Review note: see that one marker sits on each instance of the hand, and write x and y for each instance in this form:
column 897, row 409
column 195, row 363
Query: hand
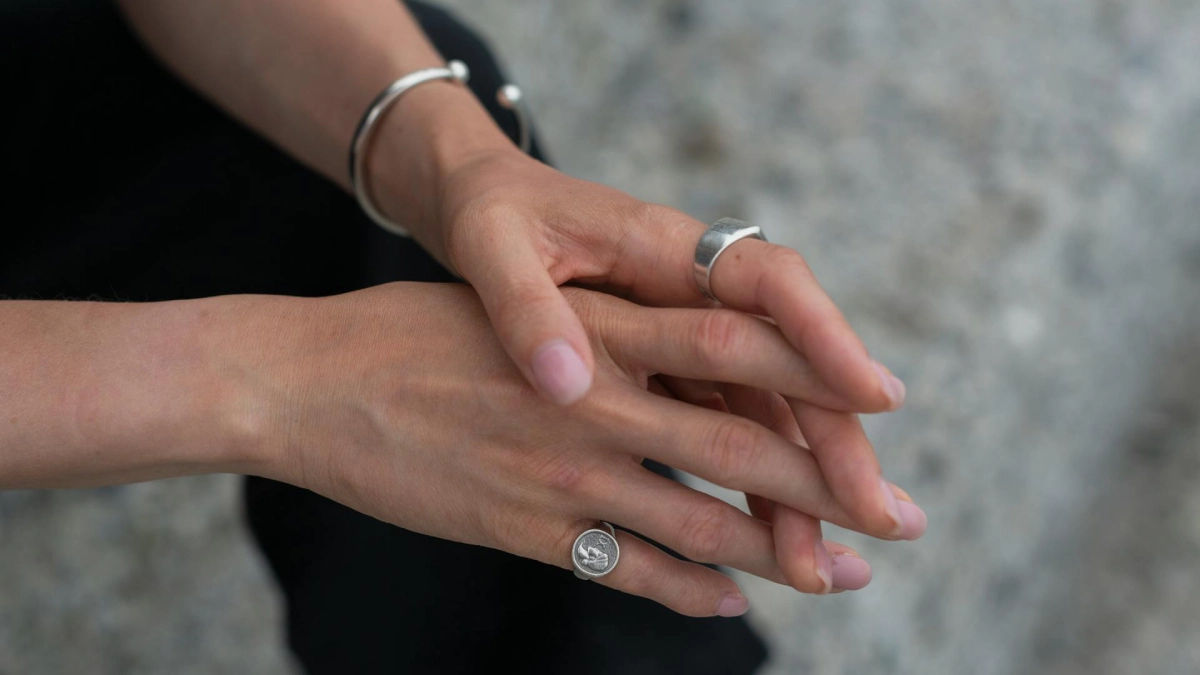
column 776, row 413
column 399, row 401
column 517, row 229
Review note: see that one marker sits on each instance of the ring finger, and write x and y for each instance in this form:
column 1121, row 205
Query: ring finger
column 642, row 569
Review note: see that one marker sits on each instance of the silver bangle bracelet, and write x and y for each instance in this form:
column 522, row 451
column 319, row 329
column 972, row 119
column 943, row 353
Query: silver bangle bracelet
column 508, row 96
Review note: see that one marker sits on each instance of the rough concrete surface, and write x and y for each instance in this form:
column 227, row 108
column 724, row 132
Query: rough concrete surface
column 1003, row 197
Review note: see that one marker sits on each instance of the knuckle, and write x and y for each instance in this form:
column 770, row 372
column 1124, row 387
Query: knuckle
column 645, row 577
column 585, row 483
column 734, row 449
column 788, row 275
column 788, row 260
column 705, row 530
column 719, row 336
column 657, row 214
column 694, row 595
column 558, row 472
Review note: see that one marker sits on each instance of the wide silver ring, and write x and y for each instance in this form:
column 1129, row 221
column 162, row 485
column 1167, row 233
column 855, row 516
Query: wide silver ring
column 718, row 237
column 595, row 552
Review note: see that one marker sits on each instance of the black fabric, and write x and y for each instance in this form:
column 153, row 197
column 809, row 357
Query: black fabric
column 123, row 184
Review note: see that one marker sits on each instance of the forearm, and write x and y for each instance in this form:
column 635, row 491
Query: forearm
column 302, row 73
column 99, row 393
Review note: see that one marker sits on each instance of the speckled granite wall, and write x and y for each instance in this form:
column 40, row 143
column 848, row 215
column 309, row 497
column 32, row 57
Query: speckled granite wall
column 1005, row 199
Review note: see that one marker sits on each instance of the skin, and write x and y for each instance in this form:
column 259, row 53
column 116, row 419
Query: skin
column 514, row 228
column 301, row 73
column 399, row 401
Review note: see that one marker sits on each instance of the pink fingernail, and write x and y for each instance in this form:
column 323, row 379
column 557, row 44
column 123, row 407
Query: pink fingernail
column 914, row 519
column 891, row 504
column 560, row 373
column 733, row 604
column 892, row 386
column 850, row 572
column 824, row 565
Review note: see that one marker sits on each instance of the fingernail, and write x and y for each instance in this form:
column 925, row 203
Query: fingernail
column 733, row 604
column 891, row 504
column 850, row 572
column 900, row 493
column 824, row 566
column 914, row 519
column 560, row 373
column 892, row 386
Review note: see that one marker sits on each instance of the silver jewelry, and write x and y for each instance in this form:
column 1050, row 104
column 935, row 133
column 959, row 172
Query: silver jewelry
column 509, row 96
column 718, row 237
column 595, row 552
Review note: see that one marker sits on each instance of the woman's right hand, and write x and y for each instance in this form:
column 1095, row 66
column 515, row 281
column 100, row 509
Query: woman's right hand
column 400, row 402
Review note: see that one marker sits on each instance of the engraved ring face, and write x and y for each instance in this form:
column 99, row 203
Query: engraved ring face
column 595, row 554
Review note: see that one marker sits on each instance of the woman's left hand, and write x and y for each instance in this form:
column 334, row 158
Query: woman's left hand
column 516, row 229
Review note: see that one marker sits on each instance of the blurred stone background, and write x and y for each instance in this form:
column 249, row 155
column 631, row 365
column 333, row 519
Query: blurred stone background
column 1003, row 197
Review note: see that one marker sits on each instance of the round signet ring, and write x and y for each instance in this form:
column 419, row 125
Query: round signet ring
column 718, row 237
column 595, row 552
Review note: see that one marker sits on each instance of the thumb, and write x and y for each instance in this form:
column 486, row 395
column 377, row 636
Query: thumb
column 537, row 326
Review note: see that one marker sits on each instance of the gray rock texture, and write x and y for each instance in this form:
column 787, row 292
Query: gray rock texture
column 150, row 578
column 1003, row 197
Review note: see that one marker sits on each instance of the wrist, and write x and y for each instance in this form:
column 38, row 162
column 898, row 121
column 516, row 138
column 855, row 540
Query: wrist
column 427, row 135
column 101, row 393
column 185, row 396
